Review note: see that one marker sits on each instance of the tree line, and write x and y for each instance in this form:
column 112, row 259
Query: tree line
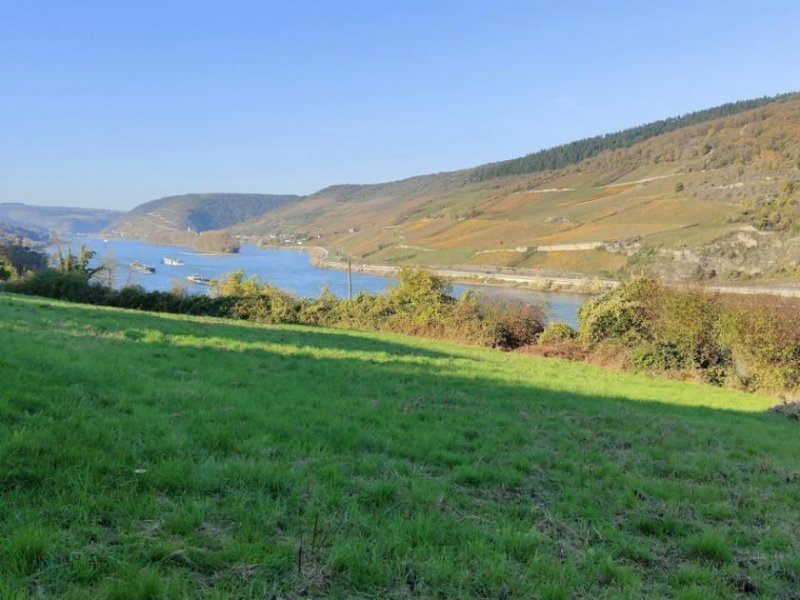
column 17, row 259
column 574, row 152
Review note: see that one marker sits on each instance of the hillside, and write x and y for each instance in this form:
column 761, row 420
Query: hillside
column 575, row 152
column 710, row 194
column 166, row 457
column 196, row 212
column 15, row 230
column 42, row 220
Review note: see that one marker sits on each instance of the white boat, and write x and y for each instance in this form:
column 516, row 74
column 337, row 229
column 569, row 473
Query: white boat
column 141, row 267
column 199, row 280
column 173, row 262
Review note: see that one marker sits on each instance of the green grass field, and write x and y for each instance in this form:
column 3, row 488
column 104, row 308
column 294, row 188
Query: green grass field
column 147, row 456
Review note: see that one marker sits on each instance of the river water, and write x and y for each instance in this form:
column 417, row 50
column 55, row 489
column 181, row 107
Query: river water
column 290, row 270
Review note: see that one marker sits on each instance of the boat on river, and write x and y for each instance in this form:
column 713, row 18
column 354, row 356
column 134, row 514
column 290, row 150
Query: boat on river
column 141, row 267
column 172, row 262
column 199, row 280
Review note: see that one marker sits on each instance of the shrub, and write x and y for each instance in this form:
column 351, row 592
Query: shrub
column 510, row 325
column 365, row 311
column 616, row 315
column 763, row 336
column 131, row 296
column 749, row 342
column 557, row 332
column 421, row 296
column 320, row 311
column 683, row 325
column 656, row 356
column 250, row 300
column 269, row 305
column 73, row 286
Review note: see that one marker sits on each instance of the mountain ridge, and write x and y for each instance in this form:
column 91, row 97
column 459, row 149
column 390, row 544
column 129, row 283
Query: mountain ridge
column 56, row 219
column 198, row 212
column 726, row 186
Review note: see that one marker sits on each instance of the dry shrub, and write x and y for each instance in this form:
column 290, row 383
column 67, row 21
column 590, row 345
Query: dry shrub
column 763, row 334
column 568, row 350
column 747, row 342
column 609, row 356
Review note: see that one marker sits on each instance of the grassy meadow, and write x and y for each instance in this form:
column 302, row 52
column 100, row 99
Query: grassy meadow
column 153, row 456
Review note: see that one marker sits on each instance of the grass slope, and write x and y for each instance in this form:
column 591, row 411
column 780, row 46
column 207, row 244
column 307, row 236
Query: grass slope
column 147, row 456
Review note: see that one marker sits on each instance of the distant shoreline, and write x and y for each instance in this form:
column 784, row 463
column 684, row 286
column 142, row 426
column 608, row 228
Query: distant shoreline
column 541, row 283
column 533, row 282
column 536, row 282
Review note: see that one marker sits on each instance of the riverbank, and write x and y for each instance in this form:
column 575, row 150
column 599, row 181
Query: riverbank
column 541, row 282
column 538, row 282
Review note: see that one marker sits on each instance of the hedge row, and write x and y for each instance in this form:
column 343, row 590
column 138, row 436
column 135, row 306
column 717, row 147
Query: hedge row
column 420, row 304
column 751, row 343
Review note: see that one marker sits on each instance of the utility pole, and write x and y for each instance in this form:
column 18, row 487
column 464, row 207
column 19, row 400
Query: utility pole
column 349, row 280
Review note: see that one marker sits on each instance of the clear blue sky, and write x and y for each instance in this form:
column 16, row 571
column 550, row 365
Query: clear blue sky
column 112, row 104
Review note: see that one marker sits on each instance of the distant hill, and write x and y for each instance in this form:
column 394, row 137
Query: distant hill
column 15, row 230
column 710, row 194
column 54, row 219
column 196, row 212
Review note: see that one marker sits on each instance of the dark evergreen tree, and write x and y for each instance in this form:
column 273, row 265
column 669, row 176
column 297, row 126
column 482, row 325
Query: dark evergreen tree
column 574, row 152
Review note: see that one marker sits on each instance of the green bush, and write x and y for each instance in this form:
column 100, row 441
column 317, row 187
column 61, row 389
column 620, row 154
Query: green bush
column 557, row 332
column 656, row 356
column 684, row 324
column 73, row 286
column 617, row 315
column 421, row 296
column 319, row 311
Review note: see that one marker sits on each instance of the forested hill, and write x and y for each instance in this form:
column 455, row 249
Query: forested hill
column 197, row 212
column 574, row 152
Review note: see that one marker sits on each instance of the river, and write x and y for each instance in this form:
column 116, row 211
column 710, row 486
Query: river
column 290, row 270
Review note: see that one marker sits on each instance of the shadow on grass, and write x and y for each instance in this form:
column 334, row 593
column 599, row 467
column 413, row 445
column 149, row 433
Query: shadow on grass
column 295, row 335
column 437, row 465
column 450, row 364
